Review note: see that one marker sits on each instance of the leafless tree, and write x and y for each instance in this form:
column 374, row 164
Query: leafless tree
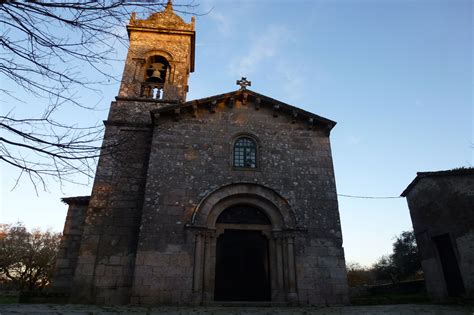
column 45, row 47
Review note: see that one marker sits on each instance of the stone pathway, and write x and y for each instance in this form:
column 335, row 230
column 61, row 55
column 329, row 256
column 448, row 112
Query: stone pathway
column 69, row 309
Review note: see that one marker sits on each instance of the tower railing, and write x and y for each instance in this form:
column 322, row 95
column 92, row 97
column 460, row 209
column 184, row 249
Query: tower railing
column 152, row 90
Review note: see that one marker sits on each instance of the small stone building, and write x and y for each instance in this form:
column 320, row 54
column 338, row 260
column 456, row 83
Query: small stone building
column 226, row 198
column 442, row 211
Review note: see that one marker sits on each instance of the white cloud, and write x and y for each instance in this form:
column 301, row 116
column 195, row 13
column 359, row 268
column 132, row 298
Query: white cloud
column 354, row 140
column 223, row 22
column 292, row 78
column 262, row 47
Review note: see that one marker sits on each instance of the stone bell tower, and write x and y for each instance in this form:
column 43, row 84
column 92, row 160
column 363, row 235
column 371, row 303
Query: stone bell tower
column 160, row 57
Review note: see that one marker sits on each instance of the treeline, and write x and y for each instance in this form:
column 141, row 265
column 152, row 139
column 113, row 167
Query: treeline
column 27, row 258
column 402, row 264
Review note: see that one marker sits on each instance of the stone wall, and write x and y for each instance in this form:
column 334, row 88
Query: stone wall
column 70, row 243
column 441, row 203
column 191, row 156
column 107, row 255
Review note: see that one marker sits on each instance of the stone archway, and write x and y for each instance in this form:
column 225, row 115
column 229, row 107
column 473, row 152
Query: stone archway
column 272, row 240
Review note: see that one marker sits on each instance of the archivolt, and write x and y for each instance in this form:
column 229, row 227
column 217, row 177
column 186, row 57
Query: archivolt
column 160, row 52
column 274, row 205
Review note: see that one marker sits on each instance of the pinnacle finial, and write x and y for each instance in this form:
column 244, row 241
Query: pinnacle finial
column 133, row 18
column 169, row 6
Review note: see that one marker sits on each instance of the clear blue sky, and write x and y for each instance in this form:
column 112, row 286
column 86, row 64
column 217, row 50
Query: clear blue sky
column 396, row 76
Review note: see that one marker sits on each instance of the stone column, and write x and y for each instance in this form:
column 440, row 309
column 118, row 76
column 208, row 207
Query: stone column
column 279, row 268
column 272, row 268
column 208, row 283
column 284, row 256
column 198, row 266
column 138, row 74
column 138, row 77
column 292, row 296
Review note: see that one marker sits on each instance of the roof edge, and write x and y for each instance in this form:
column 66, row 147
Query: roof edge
column 81, row 200
column 453, row 172
column 328, row 122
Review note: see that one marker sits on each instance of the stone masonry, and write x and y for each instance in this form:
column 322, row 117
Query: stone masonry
column 166, row 174
column 71, row 242
column 441, row 208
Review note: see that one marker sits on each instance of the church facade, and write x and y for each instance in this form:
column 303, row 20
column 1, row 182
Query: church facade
column 226, row 198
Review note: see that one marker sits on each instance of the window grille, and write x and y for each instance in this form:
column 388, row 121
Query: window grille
column 245, row 153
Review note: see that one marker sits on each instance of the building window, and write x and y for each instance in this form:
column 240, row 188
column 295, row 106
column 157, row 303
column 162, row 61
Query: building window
column 245, row 153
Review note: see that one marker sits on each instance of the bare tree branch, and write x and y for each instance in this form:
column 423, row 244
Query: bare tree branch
column 45, row 48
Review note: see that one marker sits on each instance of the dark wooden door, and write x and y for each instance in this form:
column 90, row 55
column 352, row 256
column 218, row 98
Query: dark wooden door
column 242, row 271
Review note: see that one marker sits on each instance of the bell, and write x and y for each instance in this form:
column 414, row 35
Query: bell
column 149, row 71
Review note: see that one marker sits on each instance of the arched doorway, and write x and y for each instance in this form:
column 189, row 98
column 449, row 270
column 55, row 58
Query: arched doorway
column 242, row 255
column 242, row 220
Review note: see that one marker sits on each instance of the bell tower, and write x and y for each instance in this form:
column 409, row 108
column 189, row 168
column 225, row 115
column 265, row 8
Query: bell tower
column 160, row 57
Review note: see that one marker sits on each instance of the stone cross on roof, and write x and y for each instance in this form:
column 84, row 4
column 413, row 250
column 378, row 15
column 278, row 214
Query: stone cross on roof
column 243, row 83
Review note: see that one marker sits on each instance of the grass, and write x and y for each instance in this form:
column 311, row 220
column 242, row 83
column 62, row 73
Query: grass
column 9, row 299
column 385, row 299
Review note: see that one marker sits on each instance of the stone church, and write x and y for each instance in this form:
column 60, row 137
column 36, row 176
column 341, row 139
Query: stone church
column 228, row 198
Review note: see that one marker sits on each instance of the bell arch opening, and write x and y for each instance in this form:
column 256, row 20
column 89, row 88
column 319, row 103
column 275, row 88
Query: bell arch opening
column 157, row 70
